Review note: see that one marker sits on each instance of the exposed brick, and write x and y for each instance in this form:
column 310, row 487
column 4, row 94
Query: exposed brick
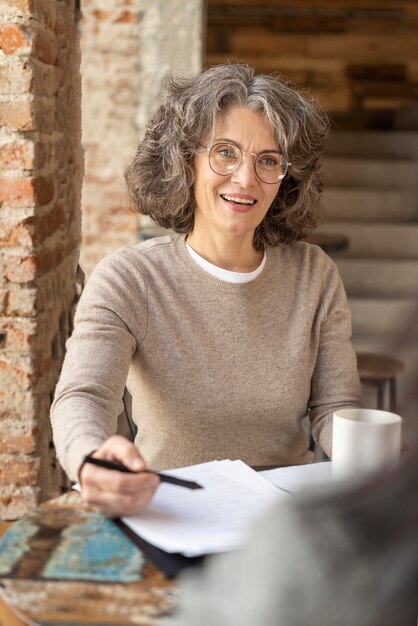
column 12, row 38
column 16, row 77
column 31, row 230
column 17, row 155
column 40, row 187
column 19, row 439
column 13, row 375
column 22, row 472
column 24, row 192
column 17, row 192
column 20, row 335
column 127, row 17
column 17, row 115
column 24, row 7
column 21, row 302
column 16, row 502
column 101, row 15
column 13, row 235
column 20, row 269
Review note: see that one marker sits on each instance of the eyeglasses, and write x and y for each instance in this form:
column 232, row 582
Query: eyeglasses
column 226, row 158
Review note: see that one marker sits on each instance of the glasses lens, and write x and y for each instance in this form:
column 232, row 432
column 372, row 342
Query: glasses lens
column 271, row 167
column 224, row 158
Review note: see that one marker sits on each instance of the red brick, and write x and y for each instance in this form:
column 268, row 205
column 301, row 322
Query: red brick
column 14, row 235
column 22, row 6
column 12, row 38
column 25, row 192
column 13, row 375
column 31, row 230
column 17, row 191
column 21, row 303
column 17, row 155
column 20, row 336
column 17, row 115
column 18, row 440
column 127, row 17
column 101, row 15
column 22, row 472
column 16, row 78
column 16, row 502
column 20, row 269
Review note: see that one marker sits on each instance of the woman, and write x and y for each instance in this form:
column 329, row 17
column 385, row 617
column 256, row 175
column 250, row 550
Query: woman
column 228, row 333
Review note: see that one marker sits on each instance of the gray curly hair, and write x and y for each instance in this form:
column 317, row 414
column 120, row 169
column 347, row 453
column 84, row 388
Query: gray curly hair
column 161, row 176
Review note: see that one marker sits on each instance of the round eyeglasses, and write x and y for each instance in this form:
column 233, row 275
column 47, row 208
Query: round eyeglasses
column 226, row 158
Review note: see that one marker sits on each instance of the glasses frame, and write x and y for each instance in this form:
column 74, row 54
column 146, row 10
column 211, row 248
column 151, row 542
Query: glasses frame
column 255, row 156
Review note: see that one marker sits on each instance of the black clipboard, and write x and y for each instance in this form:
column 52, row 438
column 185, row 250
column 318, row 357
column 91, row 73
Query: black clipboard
column 171, row 564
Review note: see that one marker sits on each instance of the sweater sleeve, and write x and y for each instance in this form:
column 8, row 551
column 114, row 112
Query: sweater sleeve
column 335, row 382
column 110, row 322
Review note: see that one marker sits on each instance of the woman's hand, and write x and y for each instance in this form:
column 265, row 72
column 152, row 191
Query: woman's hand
column 117, row 493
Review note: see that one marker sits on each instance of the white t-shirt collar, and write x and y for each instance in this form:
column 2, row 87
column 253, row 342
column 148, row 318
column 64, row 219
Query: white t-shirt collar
column 226, row 275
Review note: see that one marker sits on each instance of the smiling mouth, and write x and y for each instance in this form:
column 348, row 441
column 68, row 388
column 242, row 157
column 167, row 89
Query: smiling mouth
column 237, row 200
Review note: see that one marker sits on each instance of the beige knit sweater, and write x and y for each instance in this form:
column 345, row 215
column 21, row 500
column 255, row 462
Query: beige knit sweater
column 216, row 370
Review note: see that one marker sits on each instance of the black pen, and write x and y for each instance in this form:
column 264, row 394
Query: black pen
column 165, row 478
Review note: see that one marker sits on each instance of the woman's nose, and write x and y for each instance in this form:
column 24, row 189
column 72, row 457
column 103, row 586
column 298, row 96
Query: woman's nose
column 245, row 175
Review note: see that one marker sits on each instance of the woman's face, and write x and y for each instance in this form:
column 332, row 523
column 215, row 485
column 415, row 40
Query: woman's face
column 237, row 203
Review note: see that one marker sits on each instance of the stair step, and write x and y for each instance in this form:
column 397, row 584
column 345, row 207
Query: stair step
column 385, row 317
column 379, row 278
column 372, row 240
column 370, row 205
column 371, row 173
column 379, row 144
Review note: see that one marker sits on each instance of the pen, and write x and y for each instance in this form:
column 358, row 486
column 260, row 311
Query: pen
column 165, row 478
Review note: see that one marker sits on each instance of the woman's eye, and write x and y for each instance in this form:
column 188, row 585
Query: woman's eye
column 268, row 161
column 226, row 152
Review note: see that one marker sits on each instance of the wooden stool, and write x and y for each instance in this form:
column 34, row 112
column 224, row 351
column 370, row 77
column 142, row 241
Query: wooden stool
column 380, row 371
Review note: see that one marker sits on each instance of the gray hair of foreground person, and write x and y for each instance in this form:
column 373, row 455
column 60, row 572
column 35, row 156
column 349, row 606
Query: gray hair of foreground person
column 160, row 178
column 343, row 556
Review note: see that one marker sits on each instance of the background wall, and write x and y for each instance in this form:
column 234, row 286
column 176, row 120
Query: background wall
column 128, row 47
column 40, row 184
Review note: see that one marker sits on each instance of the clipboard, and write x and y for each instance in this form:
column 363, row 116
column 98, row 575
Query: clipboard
column 171, row 564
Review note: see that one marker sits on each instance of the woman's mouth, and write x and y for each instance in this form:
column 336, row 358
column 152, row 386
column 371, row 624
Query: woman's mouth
column 239, row 202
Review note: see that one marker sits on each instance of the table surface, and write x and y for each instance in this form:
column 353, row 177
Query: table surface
column 62, row 565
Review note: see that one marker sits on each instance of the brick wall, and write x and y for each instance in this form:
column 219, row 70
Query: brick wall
column 111, row 89
column 128, row 46
column 40, row 183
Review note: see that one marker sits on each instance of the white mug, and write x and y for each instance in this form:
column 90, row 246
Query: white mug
column 364, row 440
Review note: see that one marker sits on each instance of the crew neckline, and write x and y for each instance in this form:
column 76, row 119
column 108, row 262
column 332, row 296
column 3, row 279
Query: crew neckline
column 222, row 274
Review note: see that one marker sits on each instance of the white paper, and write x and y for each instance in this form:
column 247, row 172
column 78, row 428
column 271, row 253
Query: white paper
column 297, row 477
column 203, row 521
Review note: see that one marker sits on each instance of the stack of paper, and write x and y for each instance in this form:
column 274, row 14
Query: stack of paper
column 203, row 521
column 294, row 478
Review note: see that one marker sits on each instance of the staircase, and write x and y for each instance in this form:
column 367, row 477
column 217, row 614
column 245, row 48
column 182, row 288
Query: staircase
column 371, row 195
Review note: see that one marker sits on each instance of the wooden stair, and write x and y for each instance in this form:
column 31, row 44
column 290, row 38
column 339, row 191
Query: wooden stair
column 371, row 195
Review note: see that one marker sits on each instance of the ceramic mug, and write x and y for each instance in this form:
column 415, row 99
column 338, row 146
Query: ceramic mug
column 364, row 440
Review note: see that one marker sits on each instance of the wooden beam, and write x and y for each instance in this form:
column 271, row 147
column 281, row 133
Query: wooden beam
column 408, row 6
column 367, row 47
